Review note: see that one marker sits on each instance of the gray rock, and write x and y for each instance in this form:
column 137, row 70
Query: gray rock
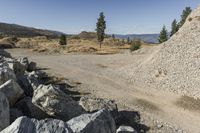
column 32, row 66
column 12, row 91
column 14, row 114
column 99, row 122
column 4, row 112
column 30, row 110
column 16, row 66
column 126, row 129
column 94, row 104
column 33, row 79
column 6, row 73
column 27, row 125
column 56, row 103
column 28, row 82
column 4, row 53
column 25, row 84
column 24, row 61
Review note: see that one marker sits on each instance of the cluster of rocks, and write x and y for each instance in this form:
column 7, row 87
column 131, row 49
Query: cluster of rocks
column 29, row 106
column 174, row 65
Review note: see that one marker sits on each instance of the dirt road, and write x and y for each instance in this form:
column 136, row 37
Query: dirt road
column 97, row 73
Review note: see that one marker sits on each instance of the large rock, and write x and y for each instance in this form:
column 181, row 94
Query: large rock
column 24, row 61
column 25, row 84
column 94, row 104
column 12, row 91
column 4, row 112
column 29, row 109
column 14, row 114
column 6, row 73
column 4, row 53
column 99, row 122
column 29, row 82
column 27, row 125
column 56, row 103
column 32, row 66
column 16, row 66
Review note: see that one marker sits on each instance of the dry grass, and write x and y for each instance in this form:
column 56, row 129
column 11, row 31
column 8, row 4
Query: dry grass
column 51, row 46
column 44, row 45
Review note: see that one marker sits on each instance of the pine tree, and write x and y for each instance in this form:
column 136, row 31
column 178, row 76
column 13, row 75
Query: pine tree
column 174, row 27
column 100, row 28
column 186, row 12
column 128, row 40
column 63, row 40
column 113, row 36
column 163, row 35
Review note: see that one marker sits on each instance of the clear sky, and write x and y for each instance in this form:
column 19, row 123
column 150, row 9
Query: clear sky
column 74, row 16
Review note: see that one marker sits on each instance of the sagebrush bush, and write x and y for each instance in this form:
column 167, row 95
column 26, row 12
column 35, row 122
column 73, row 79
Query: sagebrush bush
column 135, row 45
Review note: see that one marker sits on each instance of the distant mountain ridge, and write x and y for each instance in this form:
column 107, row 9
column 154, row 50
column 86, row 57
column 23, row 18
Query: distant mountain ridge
column 148, row 38
column 24, row 31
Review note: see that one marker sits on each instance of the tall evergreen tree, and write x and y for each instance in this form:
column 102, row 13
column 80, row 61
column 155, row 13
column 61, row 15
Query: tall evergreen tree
column 63, row 40
column 186, row 12
column 113, row 36
column 128, row 40
column 174, row 27
column 163, row 35
column 100, row 28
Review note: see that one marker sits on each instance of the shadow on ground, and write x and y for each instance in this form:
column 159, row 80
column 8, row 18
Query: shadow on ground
column 188, row 103
column 131, row 118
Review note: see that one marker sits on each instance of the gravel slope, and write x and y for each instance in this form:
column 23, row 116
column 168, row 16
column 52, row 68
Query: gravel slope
column 175, row 65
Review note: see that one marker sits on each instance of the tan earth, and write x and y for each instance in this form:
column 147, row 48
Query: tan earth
column 98, row 75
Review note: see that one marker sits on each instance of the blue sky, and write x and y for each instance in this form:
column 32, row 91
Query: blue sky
column 74, row 16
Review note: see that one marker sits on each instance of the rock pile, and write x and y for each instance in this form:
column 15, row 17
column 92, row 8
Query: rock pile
column 29, row 106
column 175, row 64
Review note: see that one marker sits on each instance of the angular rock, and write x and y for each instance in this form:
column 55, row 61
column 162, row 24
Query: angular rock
column 12, row 91
column 29, row 109
column 32, row 66
column 99, row 122
column 28, row 82
column 4, row 53
column 126, row 129
column 16, row 66
column 14, row 114
column 33, row 79
column 24, row 61
column 56, row 103
column 25, row 84
column 6, row 73
column 4, row 112
column 27, row 125
column 94, row 104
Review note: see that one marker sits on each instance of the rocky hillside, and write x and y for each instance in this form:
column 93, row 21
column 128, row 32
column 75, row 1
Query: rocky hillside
column 23, row 31
column 174, row 65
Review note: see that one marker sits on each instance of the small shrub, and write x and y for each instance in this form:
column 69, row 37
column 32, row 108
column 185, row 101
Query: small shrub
column 135, row 45
column 190, row 19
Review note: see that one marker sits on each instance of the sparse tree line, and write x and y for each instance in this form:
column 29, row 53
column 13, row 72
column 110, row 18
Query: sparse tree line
column 136, row 43
column 175, row 26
